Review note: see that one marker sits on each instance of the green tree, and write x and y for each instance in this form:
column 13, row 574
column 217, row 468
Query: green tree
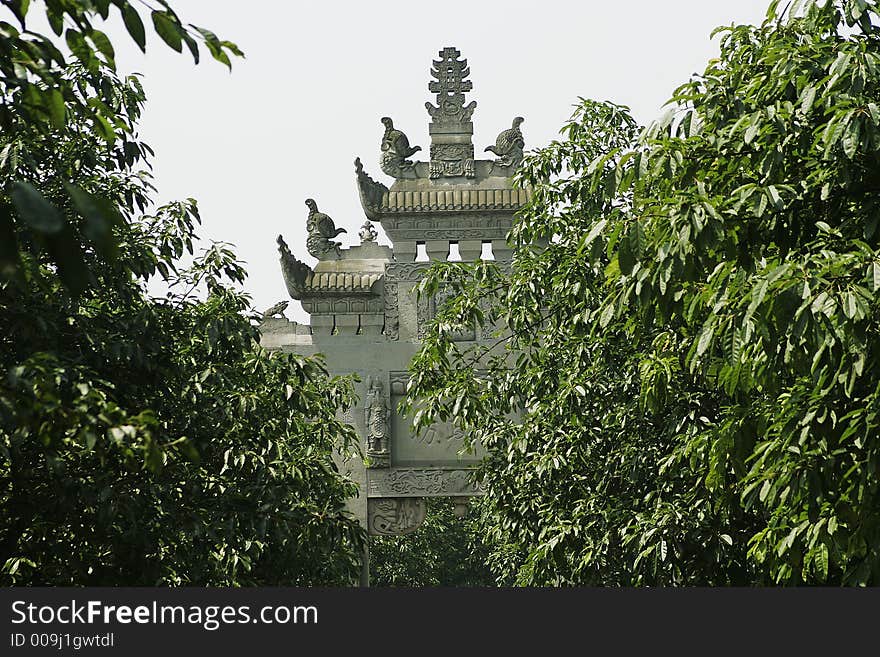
column 144, row 441
column 688, row 389
column 445, row 551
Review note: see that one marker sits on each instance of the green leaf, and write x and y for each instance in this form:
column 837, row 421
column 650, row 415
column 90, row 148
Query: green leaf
column 67, row 253
column 56, row 107
column 595, row 231
column 104, row 46
column 625, row 258
column 606, row 315
column 757, row 296
column 78, row 46
column 9, row 258
column 705, row 338
column 101, row 216
column 168, row 29
column 35, row 210
column 807, row 98
column 19, row 8
column 215, row 47
column 821, row 561
column 192, row 45
column 134, row 25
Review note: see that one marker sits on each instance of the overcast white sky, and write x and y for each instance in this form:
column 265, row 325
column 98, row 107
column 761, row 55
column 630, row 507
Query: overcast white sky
column 289, row 120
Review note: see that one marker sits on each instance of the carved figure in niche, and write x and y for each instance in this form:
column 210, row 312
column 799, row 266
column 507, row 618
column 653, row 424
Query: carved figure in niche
column 395, row 150
column 322, row 230
column 509, row 145
column 294, row 271
column 377, row 420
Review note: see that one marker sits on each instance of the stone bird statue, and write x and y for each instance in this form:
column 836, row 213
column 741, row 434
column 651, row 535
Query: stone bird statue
column 277, row 309
column 395, row 150
column 395, row 141
column 509, row 145
column 322, row 230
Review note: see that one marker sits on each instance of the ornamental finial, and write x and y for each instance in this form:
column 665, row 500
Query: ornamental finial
column 450, row 85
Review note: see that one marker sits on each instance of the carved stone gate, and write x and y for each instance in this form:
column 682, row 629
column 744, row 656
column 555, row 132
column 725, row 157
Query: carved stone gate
column 365, row 316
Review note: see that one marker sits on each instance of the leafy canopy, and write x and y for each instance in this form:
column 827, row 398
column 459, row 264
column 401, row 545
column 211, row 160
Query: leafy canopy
column 143, row 441
column 686, row 391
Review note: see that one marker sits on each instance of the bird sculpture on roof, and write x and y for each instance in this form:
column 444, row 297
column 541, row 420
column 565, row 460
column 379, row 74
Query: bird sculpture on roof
column 277, row 309
column 395, row 149
column 322, row 230
column 509, row 145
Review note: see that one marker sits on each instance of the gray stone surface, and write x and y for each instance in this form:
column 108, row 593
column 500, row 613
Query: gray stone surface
column 365, row 316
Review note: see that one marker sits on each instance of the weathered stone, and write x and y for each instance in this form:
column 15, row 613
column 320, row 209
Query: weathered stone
column 366, row 317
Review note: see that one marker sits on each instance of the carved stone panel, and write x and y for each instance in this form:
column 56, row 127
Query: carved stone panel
column 392, row 312
column 421, row 482
column 394, row 516
column 405, row 271
column 437, row 446
column 377, row 416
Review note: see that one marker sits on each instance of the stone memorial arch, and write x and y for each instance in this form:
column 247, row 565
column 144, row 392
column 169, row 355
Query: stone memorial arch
column 364, row 314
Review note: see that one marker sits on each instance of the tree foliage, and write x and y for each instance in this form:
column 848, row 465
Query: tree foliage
column 687, row 389
column 445, row 551
column 38, row 93
column 143, row 441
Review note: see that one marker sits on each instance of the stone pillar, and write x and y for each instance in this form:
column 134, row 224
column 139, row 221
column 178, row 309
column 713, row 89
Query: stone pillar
column 437, row 249
column 371, row 324
column 501, row 250
column 405, row 251
column 470, row 250
column 322, row 324
column 347, row 324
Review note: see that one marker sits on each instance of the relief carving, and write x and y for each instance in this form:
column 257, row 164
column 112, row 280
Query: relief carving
column 392, row 312
column 415, row 482
column 405, row 271
column 377, row 423
column 392, row 517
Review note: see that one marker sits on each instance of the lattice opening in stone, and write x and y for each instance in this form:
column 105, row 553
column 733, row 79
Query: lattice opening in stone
column 486, row 253
column 421, row 253
column 454, row 254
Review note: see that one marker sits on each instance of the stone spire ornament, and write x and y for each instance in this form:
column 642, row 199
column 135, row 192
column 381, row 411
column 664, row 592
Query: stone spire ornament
column 451, row 129
column 368, row 233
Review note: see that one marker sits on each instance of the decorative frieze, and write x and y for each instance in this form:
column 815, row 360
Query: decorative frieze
column 392, row 312
column 420, row 482
column 405, row 271
column 327, row 305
